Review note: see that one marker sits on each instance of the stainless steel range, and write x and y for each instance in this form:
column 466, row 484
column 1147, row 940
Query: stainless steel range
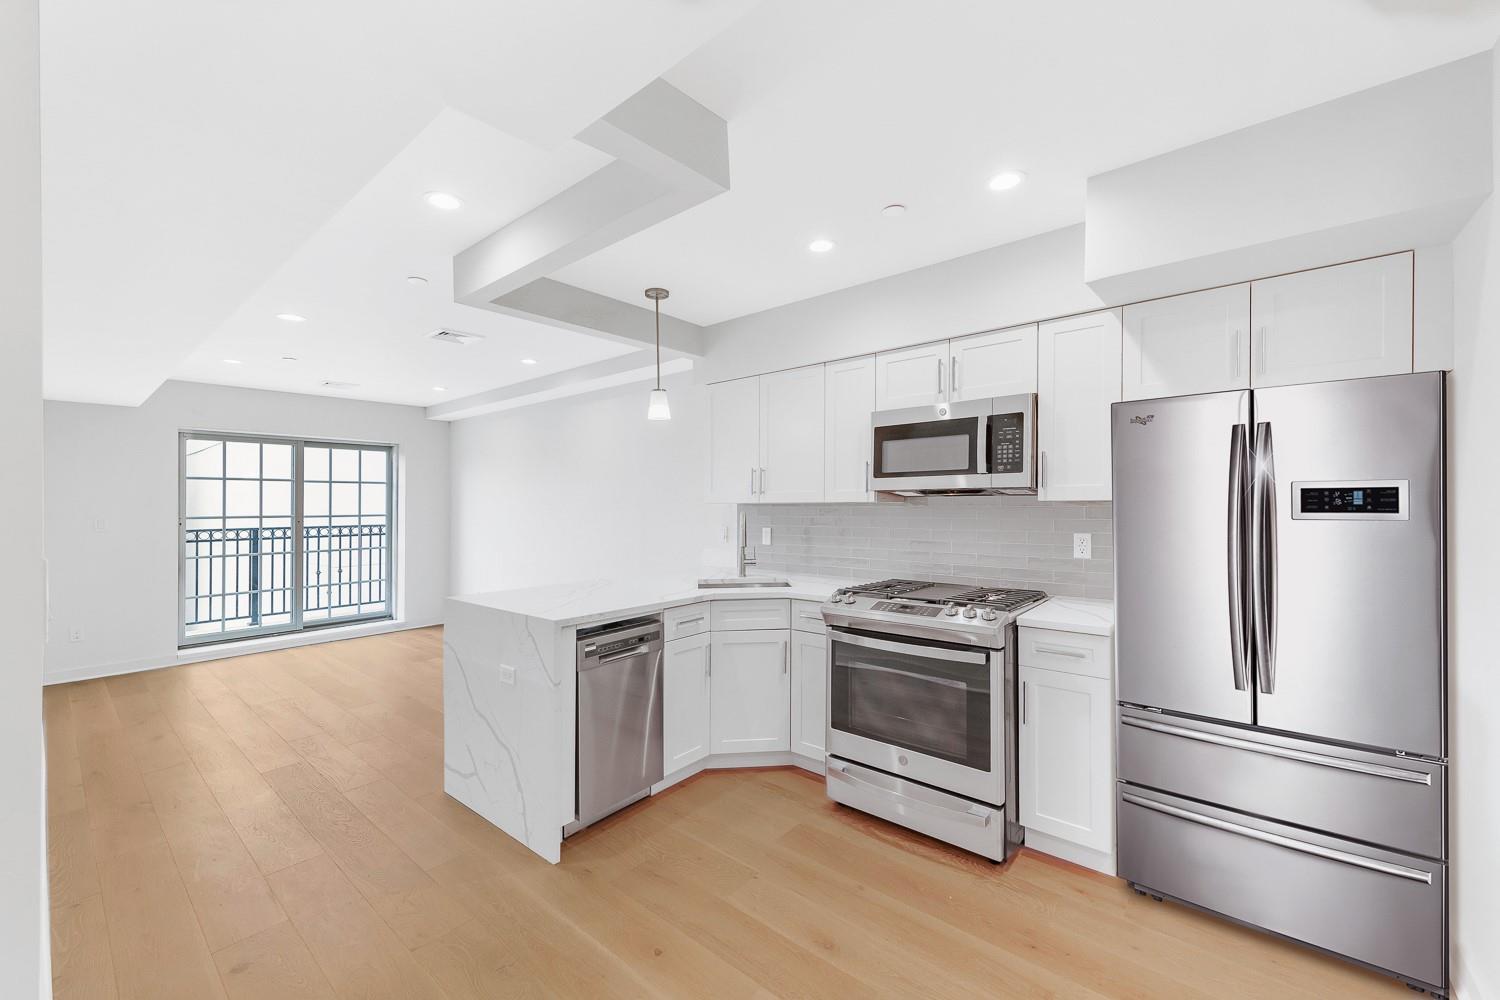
column 921, row 708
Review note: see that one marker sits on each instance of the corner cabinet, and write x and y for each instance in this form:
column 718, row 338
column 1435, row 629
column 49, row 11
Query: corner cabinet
column 848, row 401
column 1187, row 344
column 1347, row 321
column 686, row 678
column 810, row 694
column 751, row 691
column 1078, row 378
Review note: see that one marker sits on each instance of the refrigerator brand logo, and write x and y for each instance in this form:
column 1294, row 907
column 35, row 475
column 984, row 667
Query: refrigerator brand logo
column 1143, row 421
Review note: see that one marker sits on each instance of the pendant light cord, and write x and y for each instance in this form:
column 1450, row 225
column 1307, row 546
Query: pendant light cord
column 658, row 343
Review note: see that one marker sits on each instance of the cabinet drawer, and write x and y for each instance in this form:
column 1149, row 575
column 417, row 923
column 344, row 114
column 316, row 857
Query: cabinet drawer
column 1068, row 652
column 690, row 619
column 807, row 616
column 1366, row 796
column 729, row 616
column 1375, row 906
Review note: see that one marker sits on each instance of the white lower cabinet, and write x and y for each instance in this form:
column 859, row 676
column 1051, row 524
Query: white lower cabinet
column 751, row 691
column 686, row 682
column 1066, row 770
column 809, row 694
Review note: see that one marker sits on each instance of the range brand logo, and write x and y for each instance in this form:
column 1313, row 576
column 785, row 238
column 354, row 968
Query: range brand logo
column 1143, row 421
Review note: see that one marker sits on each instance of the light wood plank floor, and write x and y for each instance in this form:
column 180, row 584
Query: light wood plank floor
column 274, row 826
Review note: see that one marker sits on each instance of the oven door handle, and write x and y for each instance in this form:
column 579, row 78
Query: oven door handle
column 973, row 815
column 912, row 648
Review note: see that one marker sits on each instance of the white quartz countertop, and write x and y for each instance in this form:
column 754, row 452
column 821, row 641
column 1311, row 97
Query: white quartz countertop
column 1072, row 614
column 588, row 601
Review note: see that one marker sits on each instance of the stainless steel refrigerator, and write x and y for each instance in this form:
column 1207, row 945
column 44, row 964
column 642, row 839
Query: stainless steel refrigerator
column 1280, row 597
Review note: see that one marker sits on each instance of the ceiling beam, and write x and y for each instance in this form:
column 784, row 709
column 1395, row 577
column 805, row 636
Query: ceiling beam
column 638, row 366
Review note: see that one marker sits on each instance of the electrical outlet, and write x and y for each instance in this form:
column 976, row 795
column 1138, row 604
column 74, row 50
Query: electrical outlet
column 75, row 634
column 1083, row 545
column 765, row 536
column 100, row 525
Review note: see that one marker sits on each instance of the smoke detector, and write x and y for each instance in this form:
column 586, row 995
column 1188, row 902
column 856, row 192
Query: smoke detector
column 454, row 337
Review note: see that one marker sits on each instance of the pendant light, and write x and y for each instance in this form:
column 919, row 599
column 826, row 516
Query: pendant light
column 658, row 408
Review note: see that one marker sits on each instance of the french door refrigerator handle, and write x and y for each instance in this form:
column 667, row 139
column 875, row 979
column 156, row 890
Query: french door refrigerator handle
column 1239, row 654
column 1263, row 557
column 1302, row 846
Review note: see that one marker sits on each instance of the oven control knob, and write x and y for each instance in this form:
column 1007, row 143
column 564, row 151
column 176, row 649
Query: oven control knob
column 902, row 760
column 848, row 598
column 971, row 612
column 989, row 615
column 951, row 610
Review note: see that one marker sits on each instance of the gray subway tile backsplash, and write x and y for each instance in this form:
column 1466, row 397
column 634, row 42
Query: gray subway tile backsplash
column 1004, row 541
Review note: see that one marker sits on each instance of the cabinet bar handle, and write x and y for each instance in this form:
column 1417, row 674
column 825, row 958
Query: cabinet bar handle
column 1077, row 654
column 940, row 378
column 1023, row 703
column 689, row 621
column 953, row 375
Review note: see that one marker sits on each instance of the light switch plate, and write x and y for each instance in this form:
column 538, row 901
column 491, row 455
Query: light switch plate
column 765, row 536
column 1083, row 545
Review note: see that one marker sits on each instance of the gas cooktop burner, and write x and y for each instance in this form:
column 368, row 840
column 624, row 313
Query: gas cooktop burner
column 1000, row 598
column 1003, row 598
column 889, row 588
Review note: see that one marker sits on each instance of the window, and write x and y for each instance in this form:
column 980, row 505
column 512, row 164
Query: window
column 282, row 535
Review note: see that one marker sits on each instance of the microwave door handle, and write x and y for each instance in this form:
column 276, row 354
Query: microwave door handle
column 1238, row 653
column 1263, row 557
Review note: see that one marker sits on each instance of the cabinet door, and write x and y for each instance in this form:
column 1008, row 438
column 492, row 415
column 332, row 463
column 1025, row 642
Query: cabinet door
column 849, row 399
column 1188, row 344
column 1078, row 375
column 1066, row 757
column 791, row 436
column 734, row 440
column 809, row 694
column 915, row 376
column 1000, row 363
column 1348, row 321
column 751, row 691
column 686, row 672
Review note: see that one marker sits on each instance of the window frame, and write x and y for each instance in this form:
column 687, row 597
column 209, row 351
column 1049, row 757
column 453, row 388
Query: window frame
column 298, row 624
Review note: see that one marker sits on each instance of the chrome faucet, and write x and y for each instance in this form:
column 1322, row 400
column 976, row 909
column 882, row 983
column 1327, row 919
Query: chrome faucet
column 744, row 555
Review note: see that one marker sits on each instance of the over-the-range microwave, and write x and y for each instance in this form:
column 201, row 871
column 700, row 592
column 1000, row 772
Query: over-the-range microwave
column 977, row 446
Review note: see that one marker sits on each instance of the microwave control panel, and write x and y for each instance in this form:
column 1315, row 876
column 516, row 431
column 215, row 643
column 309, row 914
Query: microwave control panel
column 1008, row 443
column 1372, row 500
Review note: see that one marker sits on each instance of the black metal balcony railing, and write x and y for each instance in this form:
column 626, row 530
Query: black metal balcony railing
column 242, row 578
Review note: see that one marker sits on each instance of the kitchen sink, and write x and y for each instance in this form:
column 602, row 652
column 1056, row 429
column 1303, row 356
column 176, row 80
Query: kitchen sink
column 742, row 582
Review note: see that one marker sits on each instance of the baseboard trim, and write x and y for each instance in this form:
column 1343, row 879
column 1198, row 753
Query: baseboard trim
column 226, row 650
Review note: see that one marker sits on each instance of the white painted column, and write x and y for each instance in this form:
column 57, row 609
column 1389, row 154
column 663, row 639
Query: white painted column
column 23, row 917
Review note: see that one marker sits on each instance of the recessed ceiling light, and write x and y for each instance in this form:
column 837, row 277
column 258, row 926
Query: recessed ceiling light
column 891, row 211
column 820, row 246
column 442, row 200
column 528, row 361
column 440, row 388
column 232, row 361
column 287, row 357
column 291, row 318
column 1006, row 179
column 415, row 279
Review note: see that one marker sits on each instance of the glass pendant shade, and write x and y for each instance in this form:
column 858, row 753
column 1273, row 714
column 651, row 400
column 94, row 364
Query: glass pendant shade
column 658, row 410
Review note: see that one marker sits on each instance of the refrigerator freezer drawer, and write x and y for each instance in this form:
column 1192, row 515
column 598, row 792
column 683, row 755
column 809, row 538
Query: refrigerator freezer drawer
column 1378, row 798
column 1377, row 907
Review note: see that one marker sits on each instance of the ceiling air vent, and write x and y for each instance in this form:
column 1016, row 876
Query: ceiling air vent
column 453, row 337
column 329, row 383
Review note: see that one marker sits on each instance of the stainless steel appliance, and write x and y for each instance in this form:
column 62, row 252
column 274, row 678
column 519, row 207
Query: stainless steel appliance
column 619, row 753
column 921, row 707
column 1281, row 658
column 976, row 446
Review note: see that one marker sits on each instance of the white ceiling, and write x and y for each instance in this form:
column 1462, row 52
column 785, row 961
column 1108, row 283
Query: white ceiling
column 838, row 108
column 208, row 164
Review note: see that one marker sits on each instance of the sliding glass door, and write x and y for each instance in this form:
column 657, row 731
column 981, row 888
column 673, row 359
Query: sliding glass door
column 279, row 535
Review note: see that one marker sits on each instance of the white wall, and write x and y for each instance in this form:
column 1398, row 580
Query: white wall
column 1474, row 667
column 23, row 909
column 1400, row 165
column 118, row 465
column 581, row 488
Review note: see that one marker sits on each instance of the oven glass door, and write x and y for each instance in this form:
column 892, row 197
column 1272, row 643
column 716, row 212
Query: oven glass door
column 934, row 700
column 929, row 448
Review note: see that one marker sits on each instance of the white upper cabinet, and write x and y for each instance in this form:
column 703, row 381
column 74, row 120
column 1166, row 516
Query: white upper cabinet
column 791, row 436
column 809, row 694
column 1187, row 344
column 1078, row 378
column 1348, row 321
column 734, row 440
column 686, row 676
column 999, row 363
column 849, row 399
column 751, row 691
column 916, row 376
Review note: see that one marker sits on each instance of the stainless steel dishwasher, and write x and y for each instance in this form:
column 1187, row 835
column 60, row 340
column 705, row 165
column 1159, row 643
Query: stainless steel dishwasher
column 619, row 716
